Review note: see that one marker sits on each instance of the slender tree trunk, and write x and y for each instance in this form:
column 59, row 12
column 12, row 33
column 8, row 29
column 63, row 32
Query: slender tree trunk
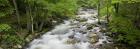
column 98, row 7
column 137, row 12
column 32, row 23
column 108, row 13
column 17, row 13
column 31, row 19
column 28, row 21
column 116, row 6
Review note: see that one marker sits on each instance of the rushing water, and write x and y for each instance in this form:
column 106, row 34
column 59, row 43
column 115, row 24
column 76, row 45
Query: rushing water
column 80, row 33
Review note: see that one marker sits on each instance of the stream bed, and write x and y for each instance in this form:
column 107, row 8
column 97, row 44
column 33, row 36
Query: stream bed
column 83, row 32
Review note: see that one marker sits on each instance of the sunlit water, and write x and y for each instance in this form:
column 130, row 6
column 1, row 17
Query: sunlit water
column 75, row 31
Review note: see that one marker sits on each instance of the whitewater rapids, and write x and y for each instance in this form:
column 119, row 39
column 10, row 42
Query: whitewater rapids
column 73, row 34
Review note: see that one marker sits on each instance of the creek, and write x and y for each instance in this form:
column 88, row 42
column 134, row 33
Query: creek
column 83, row 32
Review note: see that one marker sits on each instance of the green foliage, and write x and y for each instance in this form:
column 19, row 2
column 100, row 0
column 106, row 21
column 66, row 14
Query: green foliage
column 120, row 23
column 47, row 10
column 4, row 27
column 123, row 23
column 128, row 1
column 11, row 39
column 63, row 8
column 88, row 3
column 103, row 11
column 8, row 35
column 5, row 8
column 126, row 30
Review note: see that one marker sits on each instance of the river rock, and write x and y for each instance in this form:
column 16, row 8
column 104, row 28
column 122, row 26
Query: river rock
column 27, row 39
column 54, row 21
column 17, row 46
column 71, row 36
column 109, row 39
column 93, row 38
column 71, row 41
column 90, row 27
column 92, row 35
column 83, row 32
column 37, row 48
column 103, row 30
column 104, row 42
column 82, row 20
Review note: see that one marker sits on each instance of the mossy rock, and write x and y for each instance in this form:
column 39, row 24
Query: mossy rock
column 90, row 27
column 93, row 38
column 71, row 41
column 103, row 30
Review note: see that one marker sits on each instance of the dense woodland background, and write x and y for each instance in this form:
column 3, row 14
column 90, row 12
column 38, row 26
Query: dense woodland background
column 23, row 20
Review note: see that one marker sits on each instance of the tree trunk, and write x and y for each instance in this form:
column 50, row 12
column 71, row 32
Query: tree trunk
column 31, row 19
column 17, row 13
column 108, row 13
column 98, row 7
column 32, row 24
column 116, row 6
column 137, row 12
column 28, row 21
